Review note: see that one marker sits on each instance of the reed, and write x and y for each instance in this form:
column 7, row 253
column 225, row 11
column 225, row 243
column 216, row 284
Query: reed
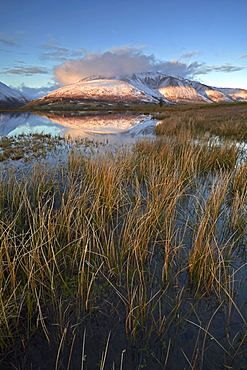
column 138, row 232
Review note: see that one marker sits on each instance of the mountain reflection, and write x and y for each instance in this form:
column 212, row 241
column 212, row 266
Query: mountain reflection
column 104, row 123
column 76, row 124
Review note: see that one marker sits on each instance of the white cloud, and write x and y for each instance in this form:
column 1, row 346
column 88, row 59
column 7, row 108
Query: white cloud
column 127, row 49
column 191, row 54
column 117, row 62
column 36, row 92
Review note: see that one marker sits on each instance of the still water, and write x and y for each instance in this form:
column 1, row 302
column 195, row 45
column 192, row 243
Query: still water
column 115, row 126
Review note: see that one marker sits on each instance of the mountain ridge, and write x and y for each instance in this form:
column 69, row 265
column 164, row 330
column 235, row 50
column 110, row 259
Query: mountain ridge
column 11, row 98
column 141, row 88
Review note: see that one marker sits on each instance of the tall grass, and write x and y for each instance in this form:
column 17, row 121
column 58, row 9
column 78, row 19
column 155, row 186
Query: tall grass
column 134, row 246
column 225, row 121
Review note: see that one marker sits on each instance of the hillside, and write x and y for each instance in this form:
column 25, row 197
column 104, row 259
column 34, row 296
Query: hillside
column 10, row 98
column 140, row 88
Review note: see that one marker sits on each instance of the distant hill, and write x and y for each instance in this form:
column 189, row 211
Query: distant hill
column 10, row 98
column 139, row 88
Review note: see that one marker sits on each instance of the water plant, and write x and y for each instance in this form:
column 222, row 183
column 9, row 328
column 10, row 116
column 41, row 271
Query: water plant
column 129, row 258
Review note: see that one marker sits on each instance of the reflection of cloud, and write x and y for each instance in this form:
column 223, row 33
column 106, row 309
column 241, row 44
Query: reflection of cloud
column 122, row 61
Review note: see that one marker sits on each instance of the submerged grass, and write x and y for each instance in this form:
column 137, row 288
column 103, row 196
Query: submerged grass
column 132, row 260
column 30, row 146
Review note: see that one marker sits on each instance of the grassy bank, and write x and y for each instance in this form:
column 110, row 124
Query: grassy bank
column 98, row 107
column 227, row 121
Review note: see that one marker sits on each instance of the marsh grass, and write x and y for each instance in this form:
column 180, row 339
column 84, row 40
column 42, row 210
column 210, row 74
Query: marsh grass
column 224, row 121
column 133, row 252
column 25, row 147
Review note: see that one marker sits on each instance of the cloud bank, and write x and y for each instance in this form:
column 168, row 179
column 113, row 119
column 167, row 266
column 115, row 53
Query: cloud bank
column 128, row 60
column 35, row 92
column 117, row 62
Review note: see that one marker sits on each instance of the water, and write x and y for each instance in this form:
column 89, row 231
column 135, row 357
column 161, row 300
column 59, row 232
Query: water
column 113, row 127
column 214, row 329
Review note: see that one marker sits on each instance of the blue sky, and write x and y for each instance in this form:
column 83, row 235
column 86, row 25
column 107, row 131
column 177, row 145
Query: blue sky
column 45, row 44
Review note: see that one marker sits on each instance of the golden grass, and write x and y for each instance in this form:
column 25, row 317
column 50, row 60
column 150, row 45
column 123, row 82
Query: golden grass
column 225, row 121
column 141, row 232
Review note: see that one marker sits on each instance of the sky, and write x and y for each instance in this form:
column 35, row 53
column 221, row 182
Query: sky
column 47, row 44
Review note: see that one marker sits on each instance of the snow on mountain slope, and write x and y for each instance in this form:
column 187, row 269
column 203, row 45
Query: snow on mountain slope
column 104, row 90
column 240, row 96
column 235, row 94
column 180, row 90
column 140, row 88
column 218, row 96
column 146, row 82
column 177, row 89
column 11, row 98
column 183, row 95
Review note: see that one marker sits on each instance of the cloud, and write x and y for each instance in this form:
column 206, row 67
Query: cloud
column 243, row 56
column 9, row 41
column 55, row 52
column 5, row 50
column 117, row 62
column 20, row 32
column 127, row 49
column 58, row 53
column 36, row 92
column 226, row 68
column 26, row 71
column 189, row 55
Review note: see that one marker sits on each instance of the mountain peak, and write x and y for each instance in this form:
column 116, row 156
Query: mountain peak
column 140, row 88
column 10, row 98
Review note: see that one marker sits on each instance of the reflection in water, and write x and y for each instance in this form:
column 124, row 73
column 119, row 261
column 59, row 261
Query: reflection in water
column 105, row 123
column 19, row 123
column 119, row 126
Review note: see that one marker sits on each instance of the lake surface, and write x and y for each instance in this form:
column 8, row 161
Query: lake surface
column 120, row 127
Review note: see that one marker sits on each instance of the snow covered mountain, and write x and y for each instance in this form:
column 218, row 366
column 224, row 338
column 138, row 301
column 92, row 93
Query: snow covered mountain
column 10, row 98
column 179, row 90
column 140, row 88
column 104, row 90
column 235, row 94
